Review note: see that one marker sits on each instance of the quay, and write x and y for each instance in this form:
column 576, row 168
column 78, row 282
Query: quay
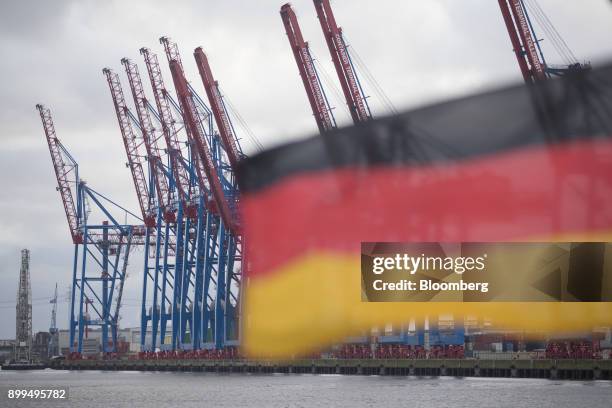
column 566, row 369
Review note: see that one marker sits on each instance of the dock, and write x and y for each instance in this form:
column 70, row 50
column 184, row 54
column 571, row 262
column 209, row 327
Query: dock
column 565, row 369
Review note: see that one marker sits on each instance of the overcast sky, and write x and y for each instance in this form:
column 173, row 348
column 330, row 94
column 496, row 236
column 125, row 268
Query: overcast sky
column 53, row 52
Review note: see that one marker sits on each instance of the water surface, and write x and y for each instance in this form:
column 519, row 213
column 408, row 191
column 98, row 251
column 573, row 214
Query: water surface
column 176, row 390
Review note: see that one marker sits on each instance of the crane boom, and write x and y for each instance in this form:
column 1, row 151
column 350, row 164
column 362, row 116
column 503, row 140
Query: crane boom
column 192, row 119
column 316, row 96
column 164, row 108
column 522, row 40
column 216, row 104
column 342, row 62
column 149, row 137
column 172, row 54
column 62, row 171
column 133, row 148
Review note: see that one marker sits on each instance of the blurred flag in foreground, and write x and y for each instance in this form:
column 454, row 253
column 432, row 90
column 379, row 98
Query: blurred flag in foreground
column 517, row 164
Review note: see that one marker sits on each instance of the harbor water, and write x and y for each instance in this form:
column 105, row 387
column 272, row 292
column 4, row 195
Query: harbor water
column 175, row 389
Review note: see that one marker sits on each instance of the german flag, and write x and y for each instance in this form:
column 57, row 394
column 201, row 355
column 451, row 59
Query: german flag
column 512, row 165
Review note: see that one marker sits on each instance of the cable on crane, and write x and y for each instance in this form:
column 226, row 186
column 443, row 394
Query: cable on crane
column 243, row 124
column 329, row 83
column 378, row 90
column 552, row 33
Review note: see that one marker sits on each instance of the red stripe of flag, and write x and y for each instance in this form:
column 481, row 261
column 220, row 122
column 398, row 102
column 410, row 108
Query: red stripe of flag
column 529, row 193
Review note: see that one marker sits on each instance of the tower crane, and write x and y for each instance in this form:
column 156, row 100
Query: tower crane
column 526, row 44
column 321, row 108
column 349, row 81
column 53, row 347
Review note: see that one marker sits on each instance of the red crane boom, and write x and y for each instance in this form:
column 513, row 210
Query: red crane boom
column 192, row 119
column 216, row 105
column 307, row 70
column 522, row 40
column 133, row 148
column 62, row 170
column 342, row 62
column 149, row 138
column 165, row 113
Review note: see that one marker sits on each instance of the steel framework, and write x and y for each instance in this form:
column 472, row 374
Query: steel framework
column 217, row 279
column 182, row 168
column 101, row 248
column 53, row 348
column 163, row 302
column 23, row 317
column 183, row 176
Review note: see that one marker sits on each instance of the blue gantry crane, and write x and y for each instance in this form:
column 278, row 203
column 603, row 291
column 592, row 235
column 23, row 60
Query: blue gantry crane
column 183, row 171
column 102, row 247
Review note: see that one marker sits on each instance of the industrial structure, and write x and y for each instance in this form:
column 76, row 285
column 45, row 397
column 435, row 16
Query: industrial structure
column 182, row 167
column 526, row 44
column 101, row 246
column 182, row 153
column 53, row 344
column 319, row 103
column 356, row 99
column 23, row 327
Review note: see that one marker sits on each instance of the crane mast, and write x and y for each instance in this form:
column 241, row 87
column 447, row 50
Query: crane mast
column 195, row 132
column 216, row 104
column 53, row 347
column 318, row 101
column 164, row 109
column 62, row 172
column 133, row 148
column 355, row 99
column 522, row 40
column 149, row 138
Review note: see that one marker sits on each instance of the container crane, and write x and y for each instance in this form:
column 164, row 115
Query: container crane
column 101, row 249
column 234, row 152
column 53, row 347
column 189, row 212
column 222, row 226
column 169, row 247
column 526, row 45
column 316, row 96
column 349, row 81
